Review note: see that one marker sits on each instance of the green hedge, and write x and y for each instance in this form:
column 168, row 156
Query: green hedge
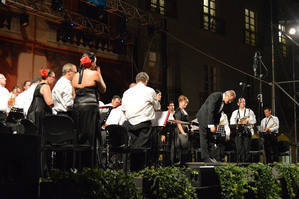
column 255, row 181
column 259, row 181
column 169, row 182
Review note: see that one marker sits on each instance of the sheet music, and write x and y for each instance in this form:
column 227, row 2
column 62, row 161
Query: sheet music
column 161, row 117
column 194, row 127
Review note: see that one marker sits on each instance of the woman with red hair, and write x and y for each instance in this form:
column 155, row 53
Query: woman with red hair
column 42, row 99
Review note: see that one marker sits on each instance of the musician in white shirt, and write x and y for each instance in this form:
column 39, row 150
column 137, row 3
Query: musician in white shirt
column 62, row 93
column 139, row 104
column 4, row 96
column 244, row 118
column 24, row 99
column 116, row 117
column 269, row 127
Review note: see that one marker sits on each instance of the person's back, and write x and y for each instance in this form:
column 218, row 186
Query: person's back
column 86, row 83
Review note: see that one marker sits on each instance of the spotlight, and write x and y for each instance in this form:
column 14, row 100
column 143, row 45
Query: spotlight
column 24, row 20
column 67, row 33
column 57, row 5
column 292, row 31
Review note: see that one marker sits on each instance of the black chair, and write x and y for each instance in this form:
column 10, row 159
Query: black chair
column 117, row 138
column 59, row 135
column 29, row 127
column 4, row 128
column 117, row 143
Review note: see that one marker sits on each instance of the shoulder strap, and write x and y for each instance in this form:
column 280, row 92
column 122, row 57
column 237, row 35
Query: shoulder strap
column 81, row 75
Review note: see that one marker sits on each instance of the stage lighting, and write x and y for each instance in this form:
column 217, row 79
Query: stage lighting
column 57, row 5
column 24, row 20
column 292, row 31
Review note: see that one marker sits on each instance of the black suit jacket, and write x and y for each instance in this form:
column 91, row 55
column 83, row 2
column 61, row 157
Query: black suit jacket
column 209, row 111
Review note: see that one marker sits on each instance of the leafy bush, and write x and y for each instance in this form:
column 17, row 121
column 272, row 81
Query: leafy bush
column 168, row 182
column 264, row 184
column 96, row 183
column 290, row 176
column 234, row 181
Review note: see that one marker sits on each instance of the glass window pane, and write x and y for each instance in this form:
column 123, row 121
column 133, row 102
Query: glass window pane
column 252, row 28
column 206, row 19
column 251, row 14
column 251, row 21
column 206, row 2
column 246, row 12
column 279, row 27
column 246, row 20
column 213, row 21
column 206, row 10
column 212, row 5
column 283, row 40
column 206, row 26
column 154, row 1
column 213, row 13
column 162, row 10
column 162, row 3
column 247, row 26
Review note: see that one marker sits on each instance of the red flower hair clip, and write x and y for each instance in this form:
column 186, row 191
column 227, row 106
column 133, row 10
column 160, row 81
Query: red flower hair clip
column 85, row 61
column 44, row 73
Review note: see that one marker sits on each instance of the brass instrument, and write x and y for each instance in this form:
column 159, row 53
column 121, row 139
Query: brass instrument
column 272, row 125
column 268, row 133
column 243, row 119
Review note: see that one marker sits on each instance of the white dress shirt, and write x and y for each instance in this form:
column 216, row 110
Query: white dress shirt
column 239, row 114
column 140, row 103
column 116, row 117
column 24, row 99
column 4, row 96
column 224, row 122
column 272, row 123
column 62, row 95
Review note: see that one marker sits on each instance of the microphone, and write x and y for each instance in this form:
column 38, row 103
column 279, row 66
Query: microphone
column 244, row 84
column 255, row 63
column 260, row 98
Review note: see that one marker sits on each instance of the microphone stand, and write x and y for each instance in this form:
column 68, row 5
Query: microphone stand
column 243, row 89
column 260, row 95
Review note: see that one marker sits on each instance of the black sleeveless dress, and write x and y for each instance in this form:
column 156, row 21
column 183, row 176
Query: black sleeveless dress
column 86, row 113
column 38, row 108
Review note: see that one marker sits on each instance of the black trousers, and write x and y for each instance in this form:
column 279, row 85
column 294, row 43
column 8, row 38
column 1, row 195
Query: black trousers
column 68, row 113
column 271, row 148
column 208, row 148
column 242, row 142
column 139, row 137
